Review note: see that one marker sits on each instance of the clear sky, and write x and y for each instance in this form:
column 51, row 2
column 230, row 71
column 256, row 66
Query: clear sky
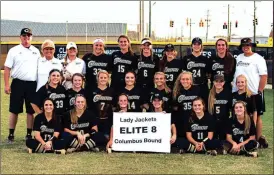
column 162, row 13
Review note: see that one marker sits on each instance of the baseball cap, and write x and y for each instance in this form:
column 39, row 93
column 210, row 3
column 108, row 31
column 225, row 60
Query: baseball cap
column 71, row 44
column 146, row 41
column 157, row 96
column 219, row 78
column 246, row 42
column 98, row 40
column 169, row 47
column 48, row 43
column 26, row 31
column 196, row 40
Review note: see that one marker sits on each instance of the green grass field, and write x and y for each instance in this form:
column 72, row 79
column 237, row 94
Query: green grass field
column 15, row 159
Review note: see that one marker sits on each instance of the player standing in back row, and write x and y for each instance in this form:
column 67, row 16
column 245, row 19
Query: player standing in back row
column 148, row 65
column 123, row 61
column 198, row 65
column 171, row 66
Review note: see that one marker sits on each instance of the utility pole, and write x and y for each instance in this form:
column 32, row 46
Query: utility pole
column 207, row 25
column 66, row 31
column 190, row 30
column 228, row 22
column 254, row 23
column 149, row 27
column 143, row 20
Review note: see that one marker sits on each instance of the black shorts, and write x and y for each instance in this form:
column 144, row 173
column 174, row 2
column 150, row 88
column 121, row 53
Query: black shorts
column 22, row 91
column 204, row 91
column 260, row 104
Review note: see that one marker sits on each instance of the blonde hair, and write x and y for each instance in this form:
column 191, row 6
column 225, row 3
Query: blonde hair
column 247, row 119
column 167, row 89
column 97, row 40
column 73, row 113
column 177, row 85
column 247, row 90
column 211, row 99
column 102, row 72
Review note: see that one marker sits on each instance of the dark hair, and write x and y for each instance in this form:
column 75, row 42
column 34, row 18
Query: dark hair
column 129, row 46
column 193, row 115
column 118, row 106
column 53, row 112
column 228, row 59
column 151, row 51
column 132, row 73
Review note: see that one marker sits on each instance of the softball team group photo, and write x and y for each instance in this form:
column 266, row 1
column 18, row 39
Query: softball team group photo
column 216, row 104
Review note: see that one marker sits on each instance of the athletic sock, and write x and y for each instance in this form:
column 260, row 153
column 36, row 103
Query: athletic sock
column 29, row 131
column 11, row 132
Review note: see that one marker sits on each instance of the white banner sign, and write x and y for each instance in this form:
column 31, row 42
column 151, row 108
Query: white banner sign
column 139, row 131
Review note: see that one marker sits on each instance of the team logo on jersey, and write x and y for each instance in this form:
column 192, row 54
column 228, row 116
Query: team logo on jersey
column 55, row 96
column 93, row 64
column 78, row 63
column 196, row 127
column 171, row 69
column 165, row 99
column 185, row 98
column 72, row 101
column 143, row 65
column 192, row 64
column 119, row 60
column 82, row 125
column 217, row 66
column 134, row 97
column 220, row 102
column 243, row 64
column 236, row 131
column 44, row 128
column 96, row 98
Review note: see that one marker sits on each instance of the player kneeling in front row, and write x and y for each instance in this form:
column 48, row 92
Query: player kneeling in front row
column 46, row 128
column 241, row 133
column 199, row 133
column 157, row 106
column 81, row 126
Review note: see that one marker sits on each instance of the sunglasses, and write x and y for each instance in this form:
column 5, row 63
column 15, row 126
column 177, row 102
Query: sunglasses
column 24, row 35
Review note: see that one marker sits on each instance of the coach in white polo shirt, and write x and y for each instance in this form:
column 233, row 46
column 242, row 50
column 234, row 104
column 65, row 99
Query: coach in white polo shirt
column 71, row 65
column 47, row 63
column 253, row 67
column 21, row 65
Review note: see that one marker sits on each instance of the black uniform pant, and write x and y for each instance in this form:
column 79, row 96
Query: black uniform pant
column 204, row 91
column 252, row 145
column 184, row 144
column 220, row 132
column 37, row 147
column 95, row 139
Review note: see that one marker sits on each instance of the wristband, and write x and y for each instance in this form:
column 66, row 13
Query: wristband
column 205, row 139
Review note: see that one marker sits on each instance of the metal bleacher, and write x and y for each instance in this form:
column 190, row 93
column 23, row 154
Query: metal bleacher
column 13, row 27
